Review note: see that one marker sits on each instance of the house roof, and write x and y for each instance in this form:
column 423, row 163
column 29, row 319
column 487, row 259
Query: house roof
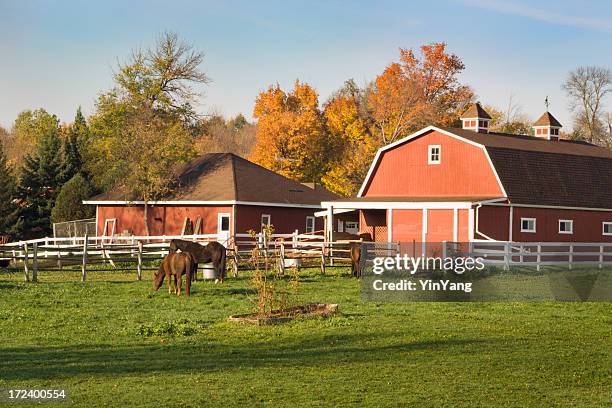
column 475, row 111
column 535, row 171
column 227, row 177
column 547, row 119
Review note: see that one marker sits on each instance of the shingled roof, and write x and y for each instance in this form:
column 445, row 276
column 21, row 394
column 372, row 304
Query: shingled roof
column 547, row 119
column 543, row 172
column 475, row 111
column 227, row 177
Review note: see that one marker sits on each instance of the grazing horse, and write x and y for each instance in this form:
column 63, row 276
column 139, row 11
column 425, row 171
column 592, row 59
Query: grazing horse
column 173, row 267
column 213, row 252
column 355, row 254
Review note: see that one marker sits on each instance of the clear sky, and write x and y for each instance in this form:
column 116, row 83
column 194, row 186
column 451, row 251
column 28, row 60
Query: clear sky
column 61, row 54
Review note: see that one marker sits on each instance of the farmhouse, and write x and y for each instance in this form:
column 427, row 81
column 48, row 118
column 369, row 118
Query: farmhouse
column 449, row 184
column 217, row 193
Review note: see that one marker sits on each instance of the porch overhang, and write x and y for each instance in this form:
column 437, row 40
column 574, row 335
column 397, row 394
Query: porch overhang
column 384, row 203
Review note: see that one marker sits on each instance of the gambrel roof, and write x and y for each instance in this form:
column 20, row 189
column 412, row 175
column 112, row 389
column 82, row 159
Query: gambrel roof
column 537, row 171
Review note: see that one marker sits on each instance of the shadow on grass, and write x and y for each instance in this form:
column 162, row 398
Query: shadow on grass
column 29, row 363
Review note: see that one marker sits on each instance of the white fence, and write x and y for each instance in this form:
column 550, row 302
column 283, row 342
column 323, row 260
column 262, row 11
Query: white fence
column 536, row 254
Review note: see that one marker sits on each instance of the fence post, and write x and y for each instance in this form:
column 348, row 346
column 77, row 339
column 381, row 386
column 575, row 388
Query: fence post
column 59, row 256
column 601, row 254
column 571, row 256
column 139, row 267
column 522, row 249
column 236, row 262
column 281, row 259
column 26, row 272
column 322, row 260
column 46, row 247
column 507, row 256
column 539, row 259
column 35, row 262
column 84, row 264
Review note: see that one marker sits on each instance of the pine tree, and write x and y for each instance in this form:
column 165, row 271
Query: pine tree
column 69, row 203
column 76, row 139
column 42, row 176
column 8, row 209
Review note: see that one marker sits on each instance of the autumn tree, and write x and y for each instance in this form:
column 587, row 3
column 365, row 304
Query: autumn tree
column 217, row 134
column 351, row 141
column 510, row 120
column 291, row 138
column 151, row 147
column 417, row 91
column 161, row 81
column 27, row 131
column 587, row 88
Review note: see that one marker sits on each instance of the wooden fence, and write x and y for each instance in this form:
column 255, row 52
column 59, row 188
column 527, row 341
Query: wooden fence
column 126, row 253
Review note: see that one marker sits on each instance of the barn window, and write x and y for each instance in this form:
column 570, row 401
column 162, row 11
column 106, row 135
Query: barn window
column 528, row 225
column 265, row 219
column 310, row 224
column 566, row 226
column 435, row 154
column 607, row 228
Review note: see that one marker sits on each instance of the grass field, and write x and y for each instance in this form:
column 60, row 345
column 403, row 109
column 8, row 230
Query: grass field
column 114, row 342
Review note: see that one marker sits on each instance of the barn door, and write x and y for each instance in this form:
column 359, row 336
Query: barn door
column 223, row 227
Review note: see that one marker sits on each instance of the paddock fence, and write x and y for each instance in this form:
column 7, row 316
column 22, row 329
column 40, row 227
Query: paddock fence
column 129, row 253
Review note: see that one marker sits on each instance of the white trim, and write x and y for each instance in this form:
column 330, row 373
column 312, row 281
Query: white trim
column 310, row 217
column 323, row 213
column 571, row 224
column 430, row 153
column 455, row 225
column 417, row 134
column 219, row 224
column 510, row 223
column 424, row 226
column 534, row 224
column 470, row 224
column 603, row 227
column 401, row 205
column 197, row 202
column 390, row 225
column 548, row 206
column 265, row 216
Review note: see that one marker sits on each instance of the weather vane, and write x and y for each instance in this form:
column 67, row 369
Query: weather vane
column 546, row 102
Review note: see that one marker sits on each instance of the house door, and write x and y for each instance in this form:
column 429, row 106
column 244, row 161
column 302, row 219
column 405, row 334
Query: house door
column 223, row 227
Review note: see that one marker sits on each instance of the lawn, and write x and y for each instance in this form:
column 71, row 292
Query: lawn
column 114, row 342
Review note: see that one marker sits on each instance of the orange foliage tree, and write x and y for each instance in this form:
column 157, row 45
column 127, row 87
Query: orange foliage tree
column 416, row 92
column 291, row 137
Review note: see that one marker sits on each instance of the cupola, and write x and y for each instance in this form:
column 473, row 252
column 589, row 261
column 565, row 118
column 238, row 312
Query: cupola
column 476, row 119
column 547, row 127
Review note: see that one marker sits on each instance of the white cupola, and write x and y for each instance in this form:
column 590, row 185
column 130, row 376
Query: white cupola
column 476, row 119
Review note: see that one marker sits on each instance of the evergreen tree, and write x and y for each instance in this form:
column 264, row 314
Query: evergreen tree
column 73, row 144
column 69, row 203
column 8, row 209
column 41, row 178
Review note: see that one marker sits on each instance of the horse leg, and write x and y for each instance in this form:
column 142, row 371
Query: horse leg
column 179, row 282
column 169, row 279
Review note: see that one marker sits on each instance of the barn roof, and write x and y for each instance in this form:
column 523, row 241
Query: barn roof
column 227, row 177
column 547, row 119
column 536, row 171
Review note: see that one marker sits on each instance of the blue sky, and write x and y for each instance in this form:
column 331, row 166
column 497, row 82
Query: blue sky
column 61, row 54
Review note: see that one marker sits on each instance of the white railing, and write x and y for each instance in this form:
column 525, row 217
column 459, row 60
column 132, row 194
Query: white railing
column 536, row 254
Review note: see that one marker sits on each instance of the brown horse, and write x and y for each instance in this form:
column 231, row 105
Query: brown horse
column 173, row 267
column 355, row 254
column 213, row 252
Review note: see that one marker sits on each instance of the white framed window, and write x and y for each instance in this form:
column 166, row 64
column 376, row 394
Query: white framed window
column 606, row 227
column 310, row 224
column 566, row 226
column 266, row 219
column 528, row 225
column 340, row 226
column 434, row 154
column 352, row 227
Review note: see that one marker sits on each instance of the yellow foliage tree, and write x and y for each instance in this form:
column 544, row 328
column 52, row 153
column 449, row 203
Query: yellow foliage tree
column 291, row 137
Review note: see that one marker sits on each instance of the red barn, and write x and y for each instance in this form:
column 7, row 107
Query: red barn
column 220, row 193
column 448, row 184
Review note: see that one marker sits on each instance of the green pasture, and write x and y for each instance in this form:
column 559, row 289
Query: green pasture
column 113, row 342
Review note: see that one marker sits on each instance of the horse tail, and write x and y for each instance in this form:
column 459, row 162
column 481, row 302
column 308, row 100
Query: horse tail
column 189, row 263
column 222, row 263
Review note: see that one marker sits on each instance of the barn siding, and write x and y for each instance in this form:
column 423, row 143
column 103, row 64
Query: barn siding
column 407, row 226
column 284, row 219
column 464, row 170
column 494, row 220
column 163, row 220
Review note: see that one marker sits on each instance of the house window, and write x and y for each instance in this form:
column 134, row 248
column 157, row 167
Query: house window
column 566, row 226
column 434, row 154
column 528, row 225
column 352, row 227
column 310, row 224
column 483, row 123
column 265, row 219
column 607, row 228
